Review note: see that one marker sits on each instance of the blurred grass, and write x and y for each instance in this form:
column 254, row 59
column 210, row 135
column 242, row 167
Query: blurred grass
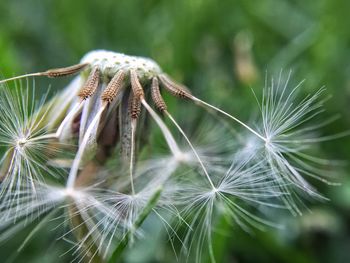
column 220, row 49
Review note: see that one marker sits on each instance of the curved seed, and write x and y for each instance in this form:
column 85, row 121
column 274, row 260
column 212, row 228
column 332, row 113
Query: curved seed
column 66, row 71
column 157, row 97
column 174, row 88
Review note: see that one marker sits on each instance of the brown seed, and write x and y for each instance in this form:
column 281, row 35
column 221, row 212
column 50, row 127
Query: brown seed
column 91, row 84
column 136, row 85
column 60, row 72
column 134, row 106
column 114, row 87
column 156, row 96
column 174, row 88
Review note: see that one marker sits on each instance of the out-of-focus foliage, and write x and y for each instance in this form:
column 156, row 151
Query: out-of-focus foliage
column 220, row 49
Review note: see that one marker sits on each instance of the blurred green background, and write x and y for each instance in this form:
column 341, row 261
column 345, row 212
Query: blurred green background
column 220, row 49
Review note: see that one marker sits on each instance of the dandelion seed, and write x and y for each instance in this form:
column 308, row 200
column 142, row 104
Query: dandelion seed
column 96, row 216
column 24, row 136
column 283, row 124
column 241, row 185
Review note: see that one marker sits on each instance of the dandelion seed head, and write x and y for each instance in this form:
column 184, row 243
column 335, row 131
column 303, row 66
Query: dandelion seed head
column 103, row 109
column 111, row 62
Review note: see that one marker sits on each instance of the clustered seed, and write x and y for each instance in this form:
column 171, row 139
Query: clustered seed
column 119, row 82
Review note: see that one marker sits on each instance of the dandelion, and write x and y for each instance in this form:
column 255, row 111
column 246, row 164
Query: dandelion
column 100, row 116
